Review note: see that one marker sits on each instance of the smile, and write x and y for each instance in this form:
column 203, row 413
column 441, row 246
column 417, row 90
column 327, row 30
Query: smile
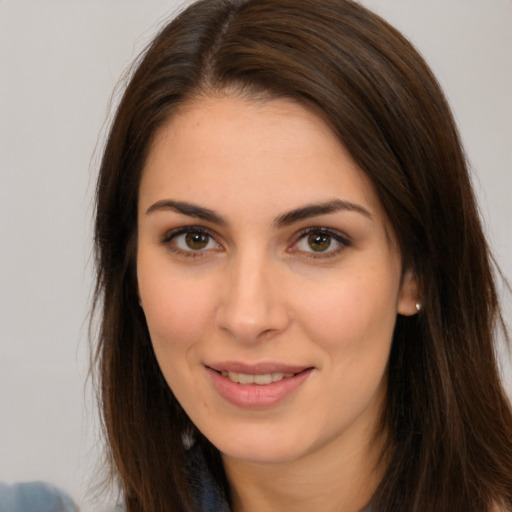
column 258, row 386
column 259, row 379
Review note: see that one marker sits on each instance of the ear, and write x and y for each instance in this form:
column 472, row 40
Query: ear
column 409, row 301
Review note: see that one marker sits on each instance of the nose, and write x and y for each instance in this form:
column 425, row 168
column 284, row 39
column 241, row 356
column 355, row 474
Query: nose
column 253, row 305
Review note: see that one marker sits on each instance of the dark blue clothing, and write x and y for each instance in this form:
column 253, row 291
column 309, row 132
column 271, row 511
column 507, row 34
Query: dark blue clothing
column 209, row 497
column 34, row 497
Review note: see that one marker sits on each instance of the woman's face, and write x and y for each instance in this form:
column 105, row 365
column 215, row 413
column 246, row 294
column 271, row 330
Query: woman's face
column 269, row 277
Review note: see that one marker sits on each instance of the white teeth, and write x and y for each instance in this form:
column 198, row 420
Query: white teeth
column 261, row 380
column 244, row 379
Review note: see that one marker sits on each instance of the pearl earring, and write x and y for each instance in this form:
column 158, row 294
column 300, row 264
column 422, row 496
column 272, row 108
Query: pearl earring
column 419, row 306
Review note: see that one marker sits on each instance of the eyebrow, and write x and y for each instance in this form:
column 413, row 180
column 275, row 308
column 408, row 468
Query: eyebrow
column 189, row 209
column 313, row 210
column 288, row 218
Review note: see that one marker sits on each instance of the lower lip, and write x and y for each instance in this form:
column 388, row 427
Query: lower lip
column 255, row 395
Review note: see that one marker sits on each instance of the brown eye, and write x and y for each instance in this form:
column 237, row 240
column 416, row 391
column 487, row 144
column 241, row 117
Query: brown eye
column 191, row 240
column 319, row 242
column 196, row 240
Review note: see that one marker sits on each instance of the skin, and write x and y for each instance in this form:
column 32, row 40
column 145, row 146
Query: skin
column 250, row 289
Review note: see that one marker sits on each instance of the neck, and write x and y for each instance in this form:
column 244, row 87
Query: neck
column 343, row 476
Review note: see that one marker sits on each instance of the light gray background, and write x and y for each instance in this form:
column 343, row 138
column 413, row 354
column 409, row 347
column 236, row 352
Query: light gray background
column 59, row 62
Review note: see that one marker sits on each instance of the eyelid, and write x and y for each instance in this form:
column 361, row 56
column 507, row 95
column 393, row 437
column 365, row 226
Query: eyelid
column 338, row 236
column 172, row 233
column 183, row 230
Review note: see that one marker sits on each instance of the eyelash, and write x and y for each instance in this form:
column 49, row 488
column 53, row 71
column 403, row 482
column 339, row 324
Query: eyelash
column 338, row 238
column 171, row 236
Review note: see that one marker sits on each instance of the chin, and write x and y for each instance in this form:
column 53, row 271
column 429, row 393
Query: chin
column 259, row 445
column 258, row 454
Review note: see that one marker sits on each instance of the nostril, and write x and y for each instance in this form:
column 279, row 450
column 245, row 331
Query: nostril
column 266, row 332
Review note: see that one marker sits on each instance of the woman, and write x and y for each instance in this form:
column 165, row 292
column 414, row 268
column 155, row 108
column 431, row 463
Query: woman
column 298, row 306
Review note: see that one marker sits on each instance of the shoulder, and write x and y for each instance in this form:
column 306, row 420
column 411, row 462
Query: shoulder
column 208, row 496
column 34, row 497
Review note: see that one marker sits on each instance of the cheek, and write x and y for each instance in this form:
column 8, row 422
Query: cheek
column 354, row 313
column 177, row 314
column 352, row 321
column 178, row 310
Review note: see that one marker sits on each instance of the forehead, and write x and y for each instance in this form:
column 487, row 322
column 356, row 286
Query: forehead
column 234, row 153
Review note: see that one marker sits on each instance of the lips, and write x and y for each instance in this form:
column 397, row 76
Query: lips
column 255, row 369
column 259, row 379
column 256, row 386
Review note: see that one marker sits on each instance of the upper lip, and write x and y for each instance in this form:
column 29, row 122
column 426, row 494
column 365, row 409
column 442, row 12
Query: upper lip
column 256, row 368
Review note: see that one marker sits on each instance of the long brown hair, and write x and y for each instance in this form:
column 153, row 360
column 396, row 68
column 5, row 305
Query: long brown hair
column 450, row 423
